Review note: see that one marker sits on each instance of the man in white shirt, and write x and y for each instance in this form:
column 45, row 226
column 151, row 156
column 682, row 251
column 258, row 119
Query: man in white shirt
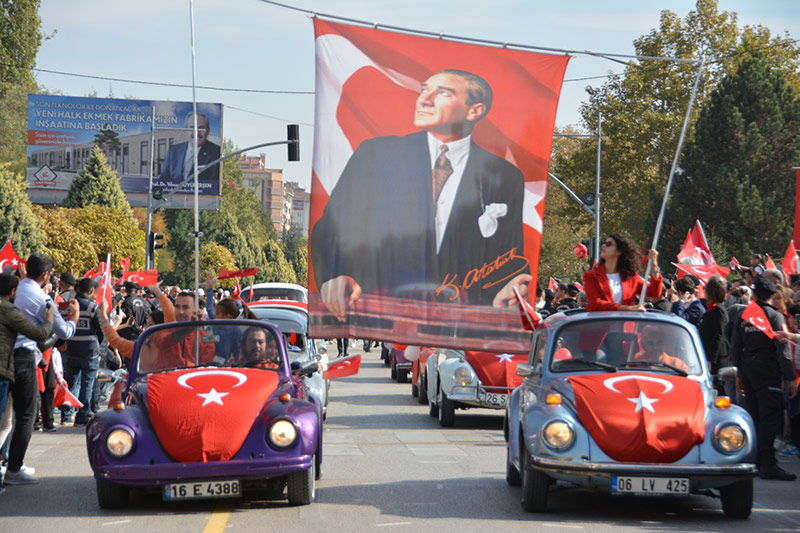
column 33, row 302
column 430, row 213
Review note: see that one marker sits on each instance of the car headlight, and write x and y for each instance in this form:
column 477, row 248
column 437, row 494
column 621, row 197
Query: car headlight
column 282, row 433
column 119, row 442
column 558, row 434
column 463, row 376
column 730, row 438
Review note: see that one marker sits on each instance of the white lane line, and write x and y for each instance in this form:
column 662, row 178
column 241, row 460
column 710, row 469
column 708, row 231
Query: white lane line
column 553, row 524
column 437, row 462
column 115, row 523
column 393, row 524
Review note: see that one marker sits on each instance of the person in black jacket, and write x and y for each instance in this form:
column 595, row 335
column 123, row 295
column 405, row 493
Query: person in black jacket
column 712, row 328
column 764, row 364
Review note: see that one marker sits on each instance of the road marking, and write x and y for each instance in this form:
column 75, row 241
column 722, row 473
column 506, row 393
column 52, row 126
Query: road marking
column 115, row 523
column 553, row 524
column 437, row 462
column 435, row 450
column 218, row 519
column 341, row 449
column 394, row 524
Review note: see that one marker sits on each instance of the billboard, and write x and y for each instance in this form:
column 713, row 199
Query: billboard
column 62, row 130
column 429, row 177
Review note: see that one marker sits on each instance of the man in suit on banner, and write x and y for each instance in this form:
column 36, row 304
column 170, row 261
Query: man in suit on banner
column 179, row 163
column 430, row 214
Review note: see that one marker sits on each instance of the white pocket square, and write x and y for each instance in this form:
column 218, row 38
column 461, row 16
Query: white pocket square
column 487, row 222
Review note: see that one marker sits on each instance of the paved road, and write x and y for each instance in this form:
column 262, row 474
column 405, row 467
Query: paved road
column 388, row 467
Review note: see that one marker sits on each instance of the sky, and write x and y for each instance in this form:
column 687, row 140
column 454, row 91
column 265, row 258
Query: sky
column 249, row 44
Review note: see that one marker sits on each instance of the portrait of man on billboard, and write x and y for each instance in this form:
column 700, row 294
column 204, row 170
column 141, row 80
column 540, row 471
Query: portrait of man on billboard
column 430, row 215
column 179, row 163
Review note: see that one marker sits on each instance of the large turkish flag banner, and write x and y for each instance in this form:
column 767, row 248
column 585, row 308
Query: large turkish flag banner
column 376, row 217
column 642, row 418
column 203, row 415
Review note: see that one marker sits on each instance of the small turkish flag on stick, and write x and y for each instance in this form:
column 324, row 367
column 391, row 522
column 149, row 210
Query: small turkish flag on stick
column 347, row 366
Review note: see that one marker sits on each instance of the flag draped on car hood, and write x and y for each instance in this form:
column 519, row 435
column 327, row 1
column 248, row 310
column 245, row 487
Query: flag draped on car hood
column 205, row 414
column 496, row 370
column 643, row 418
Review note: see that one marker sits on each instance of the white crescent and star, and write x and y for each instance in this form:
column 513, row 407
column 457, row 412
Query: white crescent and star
column 211, row 396
column 641, row 401
column 503, row 357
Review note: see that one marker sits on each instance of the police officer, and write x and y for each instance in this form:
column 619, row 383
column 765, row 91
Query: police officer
column 135, row 307
column 569, row 301
column 83, row 353
column 764, row 364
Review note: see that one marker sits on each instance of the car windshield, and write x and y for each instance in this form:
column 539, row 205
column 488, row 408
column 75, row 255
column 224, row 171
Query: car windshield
column 292, row 324
column 611, row 345
column 278, row 293
column 182, row 345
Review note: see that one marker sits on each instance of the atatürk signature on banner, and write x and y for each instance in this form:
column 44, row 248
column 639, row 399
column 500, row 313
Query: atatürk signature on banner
column 484, row 274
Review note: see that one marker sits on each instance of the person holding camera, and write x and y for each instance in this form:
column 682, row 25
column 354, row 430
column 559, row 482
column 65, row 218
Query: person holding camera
column 32, row 301
column 685, row 303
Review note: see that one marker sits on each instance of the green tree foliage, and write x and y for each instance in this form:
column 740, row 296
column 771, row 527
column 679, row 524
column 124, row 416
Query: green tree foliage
column 643, row 110
column 277, row 267
column 112, row 231
column 295, row 249
column 71, row 248
column 13, row 127
column 17, row 219
column 20, row 38
column 98, row 185
column 212, row 258
column 738, row 178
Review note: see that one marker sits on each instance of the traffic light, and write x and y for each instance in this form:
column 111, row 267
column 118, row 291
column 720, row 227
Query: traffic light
column 153, row 244
column 588, row 199
column 293, row 136
column 589, row 244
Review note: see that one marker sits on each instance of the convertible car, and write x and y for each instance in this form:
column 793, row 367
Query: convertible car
column 624, row 403
column 209, row 409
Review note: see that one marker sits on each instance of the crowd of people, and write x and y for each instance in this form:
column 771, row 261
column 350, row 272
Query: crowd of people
column 54, row 334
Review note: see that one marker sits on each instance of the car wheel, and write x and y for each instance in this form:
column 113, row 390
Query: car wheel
column 505, row 426
column 300, row 486
column 317, row 466
column 512, row 474
column 385, row 355
column 110, row 495
column 534, row 485
column 433, row 408
column 414, row 390
column 737, row 499
column 447, row 411
column 402, row 376
column 422, row 393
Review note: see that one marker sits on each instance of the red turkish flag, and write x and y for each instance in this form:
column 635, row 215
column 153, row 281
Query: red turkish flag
column 237, row 290
column 145, row 278
column 552, row 285
column 224, row 273
column 205, row 414
column 703, row 272
column 695, row 249
column 63, row 397
column 527, row 312
column 346, row 366
column 646, row 418
column 790, row 260
column 9, row 258
column 496, row 370
column 106, row 291
column 734, row 263
column 755, row 315
column 125, row 263
column 769, row 263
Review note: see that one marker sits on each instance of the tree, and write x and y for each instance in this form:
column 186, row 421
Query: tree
column 17, row 219
column 737, row 177
column 643, row 109
column 71, row 248
column 277, row 267
column 98, row 185
column 111, row 231
column 295, row 249
column 20, row 39
column 212, row 258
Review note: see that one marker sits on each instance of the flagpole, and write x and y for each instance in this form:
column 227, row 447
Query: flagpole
column 675, row 159
column 196, row 188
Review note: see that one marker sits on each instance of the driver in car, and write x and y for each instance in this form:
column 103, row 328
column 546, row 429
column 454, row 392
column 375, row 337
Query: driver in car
column 259, row 349
column 652, row 343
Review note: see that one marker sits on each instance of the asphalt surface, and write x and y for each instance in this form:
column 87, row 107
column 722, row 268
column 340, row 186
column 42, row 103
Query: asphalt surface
column 388, row 466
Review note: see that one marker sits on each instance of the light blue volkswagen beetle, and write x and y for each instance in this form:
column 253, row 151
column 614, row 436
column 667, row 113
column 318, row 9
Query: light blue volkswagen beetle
column 624, row 402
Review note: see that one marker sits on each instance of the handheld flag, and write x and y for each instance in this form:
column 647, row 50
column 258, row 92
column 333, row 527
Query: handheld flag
column 9, row 258
column 552, row 285
column 769, row 263
column 224, row 273
column 105, row 292
column 756, row 317
column 250, row 295
column 125, row 263
column 63, row 397
column 527, row 312
column 790, row 260
column 733, row 263
column 343, row 367
column 142, row 277
column 695, row 249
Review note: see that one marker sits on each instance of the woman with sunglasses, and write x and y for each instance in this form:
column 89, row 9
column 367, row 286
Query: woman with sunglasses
column 615, row 284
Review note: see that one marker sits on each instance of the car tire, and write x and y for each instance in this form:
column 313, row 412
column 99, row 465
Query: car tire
column 433, row 408
column 300, row 485
column 447, row 411
column 110, row 495
column 512, row 474
column 402, row 376
column 422, row 393
column 737, row 499
column 394, row 373
column 414, row 390
column 385, row 355
column 535, row 485
column 317, row 466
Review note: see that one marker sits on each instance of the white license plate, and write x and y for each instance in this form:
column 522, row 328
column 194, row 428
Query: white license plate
column 227, row 488
column 494, row 398
column 649, row 485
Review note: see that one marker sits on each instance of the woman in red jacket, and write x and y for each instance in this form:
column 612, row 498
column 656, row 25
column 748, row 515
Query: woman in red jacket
column 615, row 284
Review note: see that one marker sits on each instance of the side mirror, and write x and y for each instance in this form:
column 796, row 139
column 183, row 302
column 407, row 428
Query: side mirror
column 105, row 375
column 524, row 370
column 309, row 367
column 727, row 373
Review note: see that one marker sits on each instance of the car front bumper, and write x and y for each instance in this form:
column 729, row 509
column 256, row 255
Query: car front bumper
column 157, row 474
column 696, row 472
column 476, row 396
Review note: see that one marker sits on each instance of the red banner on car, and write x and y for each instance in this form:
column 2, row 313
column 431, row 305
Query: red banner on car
column 645, row 418
column 205, row 415
column 428, row 183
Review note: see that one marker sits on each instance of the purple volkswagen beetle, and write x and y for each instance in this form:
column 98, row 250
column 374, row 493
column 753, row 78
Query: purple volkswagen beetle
column 209, row 409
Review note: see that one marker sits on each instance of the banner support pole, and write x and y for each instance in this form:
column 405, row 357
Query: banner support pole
column 660, row 221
